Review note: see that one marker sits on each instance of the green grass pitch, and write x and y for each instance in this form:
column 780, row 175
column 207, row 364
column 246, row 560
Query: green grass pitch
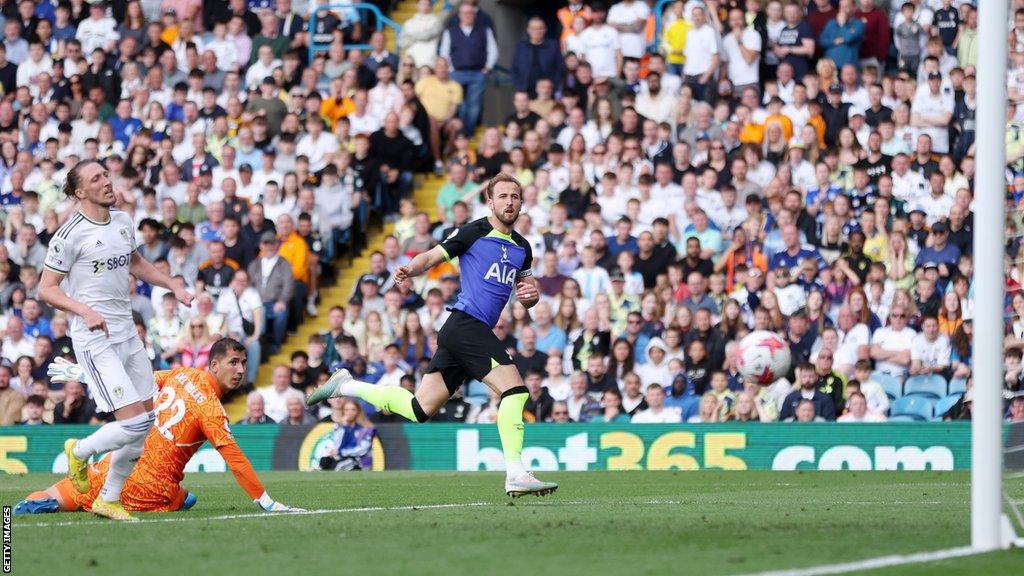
column 654, row 523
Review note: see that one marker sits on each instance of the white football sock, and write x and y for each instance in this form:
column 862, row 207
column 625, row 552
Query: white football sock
column 123, row 460
column 351, row 388
column 514, row 469
column 111, row 436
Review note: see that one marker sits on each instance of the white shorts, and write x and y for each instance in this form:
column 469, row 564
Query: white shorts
column 118, row 375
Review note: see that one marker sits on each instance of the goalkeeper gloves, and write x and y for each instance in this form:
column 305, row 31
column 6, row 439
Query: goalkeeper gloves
column 267, row 504
column 63, row 370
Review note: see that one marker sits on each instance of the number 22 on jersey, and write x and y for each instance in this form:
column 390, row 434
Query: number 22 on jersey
column 169, row 411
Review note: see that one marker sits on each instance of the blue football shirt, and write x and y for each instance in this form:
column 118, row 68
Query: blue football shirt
column 490, row 262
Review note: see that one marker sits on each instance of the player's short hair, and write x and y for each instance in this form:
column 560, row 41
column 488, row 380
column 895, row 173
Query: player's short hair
column 501, row 177
column 73, row 180
column 222, row 347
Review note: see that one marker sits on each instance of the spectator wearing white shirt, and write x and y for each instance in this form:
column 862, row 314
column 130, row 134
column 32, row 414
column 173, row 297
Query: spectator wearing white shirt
column 600, row 45
column 742, row 49
column 727, row 214
column 854, row 93
column 702, row 53
column 932, row 112
column 853, row 340
column 263, row 67
column 657, row 412
column 385, row 97
column 629, row 18
column 86, row 127
column 936, row 204
column 275, row 396
column 664, row 190
column 360, row 120
column 891, row 345
column 654, row 101
column 577, row 124
column 857, row 410
column 241, row 305
column 37, row 63
column 655, row 370
column 907, row 185
column 930, row 351
column 171, row 186
column 97, row 31
column 317, row 145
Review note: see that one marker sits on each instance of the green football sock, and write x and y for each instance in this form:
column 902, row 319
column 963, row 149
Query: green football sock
column 510, row 423
column 394, row 399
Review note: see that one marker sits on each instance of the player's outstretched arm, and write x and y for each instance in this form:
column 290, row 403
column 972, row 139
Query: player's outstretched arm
column 144, row 270
column 419, row 264
column 246, row 477
column 51, row 293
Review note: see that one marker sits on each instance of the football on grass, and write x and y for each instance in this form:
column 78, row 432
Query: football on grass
column 763, row 357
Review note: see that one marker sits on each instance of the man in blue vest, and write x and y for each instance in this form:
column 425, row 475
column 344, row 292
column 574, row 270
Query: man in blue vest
column 469, row 44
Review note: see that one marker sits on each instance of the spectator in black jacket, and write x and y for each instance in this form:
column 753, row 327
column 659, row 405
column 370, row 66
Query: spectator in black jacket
column 598, row 378
column 540, row 403
column 395, row 153
column 101, row 73
column 536, row 57
column 808, row 378
column 527, row 356
column 76, row 408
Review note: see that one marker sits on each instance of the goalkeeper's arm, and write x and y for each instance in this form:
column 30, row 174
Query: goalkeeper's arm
column 244, row 473
column 246, row 477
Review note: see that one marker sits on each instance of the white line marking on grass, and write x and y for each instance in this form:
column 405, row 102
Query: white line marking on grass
column 184, row 517
column 875, row 563
column 159, row 518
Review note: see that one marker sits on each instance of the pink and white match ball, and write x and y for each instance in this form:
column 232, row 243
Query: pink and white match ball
column 763, row 357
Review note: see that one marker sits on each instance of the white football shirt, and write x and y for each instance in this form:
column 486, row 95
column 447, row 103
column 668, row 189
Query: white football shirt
column 95, row 260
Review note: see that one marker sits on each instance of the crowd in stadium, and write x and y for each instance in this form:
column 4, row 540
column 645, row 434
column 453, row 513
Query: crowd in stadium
column 805, row 168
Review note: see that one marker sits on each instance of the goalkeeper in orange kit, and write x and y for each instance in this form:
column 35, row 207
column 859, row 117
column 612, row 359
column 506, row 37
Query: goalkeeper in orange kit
column 188, row 412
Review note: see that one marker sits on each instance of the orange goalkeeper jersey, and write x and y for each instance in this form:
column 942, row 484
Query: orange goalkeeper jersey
column 189, row 412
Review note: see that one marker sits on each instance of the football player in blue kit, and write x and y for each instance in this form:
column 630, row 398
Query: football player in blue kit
column 494, row 260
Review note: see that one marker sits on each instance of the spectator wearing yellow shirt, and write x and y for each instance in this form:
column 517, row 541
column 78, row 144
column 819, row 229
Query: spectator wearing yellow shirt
column 775, row 114
column 673, row 40
column 295, row 251
column 336, row 105
column 876, row 241
column 441, row 96
column 750, row 131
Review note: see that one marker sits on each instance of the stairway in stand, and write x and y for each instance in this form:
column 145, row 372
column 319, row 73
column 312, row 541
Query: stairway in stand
column 425, row 191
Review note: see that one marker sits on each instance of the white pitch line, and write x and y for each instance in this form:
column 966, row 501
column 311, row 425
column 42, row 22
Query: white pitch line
column 184, row 517
column 875, row 563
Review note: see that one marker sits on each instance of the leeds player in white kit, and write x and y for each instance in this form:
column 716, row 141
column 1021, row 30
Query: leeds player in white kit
column 92, row 254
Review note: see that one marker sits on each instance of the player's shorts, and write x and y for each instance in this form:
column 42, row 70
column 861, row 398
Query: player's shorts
column 118, row 375
column 136, row 496
column 466, row 348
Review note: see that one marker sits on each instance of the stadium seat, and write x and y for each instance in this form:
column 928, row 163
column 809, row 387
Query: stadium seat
column 916, row 406
column 932, row 385
column 958, row 386
column 945, row 403
column 892, row 386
